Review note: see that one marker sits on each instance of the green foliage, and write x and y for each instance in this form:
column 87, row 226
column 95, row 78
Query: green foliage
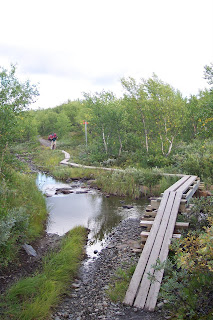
column 208, row 73
column 33, row 297
column 120, row 283
column 144, row 128
column 66, row 173
column 14, row 98
column 166, row 182
column 22, row 212
column 26, row 128
column 127, row 182
column 187, row 284
column 47, row 159
column 195, row 158
column 200, row 213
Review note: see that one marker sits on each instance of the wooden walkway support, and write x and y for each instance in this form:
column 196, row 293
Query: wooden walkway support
column 142, row 293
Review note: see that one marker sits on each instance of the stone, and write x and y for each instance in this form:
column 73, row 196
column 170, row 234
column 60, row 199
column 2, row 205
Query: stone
column 160, row 304
column 29, row 250
column 126, row 206
column 81, row 191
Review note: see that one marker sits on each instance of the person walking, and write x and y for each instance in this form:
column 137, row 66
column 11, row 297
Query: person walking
column 53, row 137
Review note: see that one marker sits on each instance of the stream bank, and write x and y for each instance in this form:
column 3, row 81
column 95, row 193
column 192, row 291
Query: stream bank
column 87, row 298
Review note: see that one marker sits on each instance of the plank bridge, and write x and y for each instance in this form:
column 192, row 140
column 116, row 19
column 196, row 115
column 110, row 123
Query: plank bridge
column 142, row 292
column 160, row 221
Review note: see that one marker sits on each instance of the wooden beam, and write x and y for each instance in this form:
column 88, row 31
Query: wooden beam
column 155, row 287
column 147, row 223
column 177, row 184
column 145, row 234
column 145, row 283
column 136, row 278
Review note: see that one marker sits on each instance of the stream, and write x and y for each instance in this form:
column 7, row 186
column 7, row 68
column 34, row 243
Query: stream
column 87, row 207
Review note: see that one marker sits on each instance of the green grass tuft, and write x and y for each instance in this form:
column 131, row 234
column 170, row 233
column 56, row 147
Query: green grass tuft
column 32, row 298
column 120, row 283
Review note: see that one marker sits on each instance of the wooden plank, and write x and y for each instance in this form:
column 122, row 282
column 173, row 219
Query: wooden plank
column 157, row 241
column 192, row 192
column 177, row 184
column 192, row 189
column 155, row 287
column 180, row 225
column 145, row 283
column 136, row 278
column 145, row 234
column 187, row 184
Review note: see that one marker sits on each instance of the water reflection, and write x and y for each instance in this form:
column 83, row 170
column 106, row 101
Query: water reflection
column 92, row 210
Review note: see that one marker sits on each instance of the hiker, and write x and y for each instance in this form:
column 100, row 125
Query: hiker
column 52, row 138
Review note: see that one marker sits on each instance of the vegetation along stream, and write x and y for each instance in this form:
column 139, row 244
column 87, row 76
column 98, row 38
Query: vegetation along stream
column 86, row 207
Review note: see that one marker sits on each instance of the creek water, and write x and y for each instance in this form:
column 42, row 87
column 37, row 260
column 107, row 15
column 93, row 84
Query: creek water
column 90, row 209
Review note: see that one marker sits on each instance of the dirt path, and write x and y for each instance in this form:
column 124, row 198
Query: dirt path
column 45, row 142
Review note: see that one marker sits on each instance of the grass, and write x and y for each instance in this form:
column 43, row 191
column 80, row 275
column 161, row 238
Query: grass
column 66, row 172
column 22, row 211
column 32, row 298
column 47, row 159
column 121, row 279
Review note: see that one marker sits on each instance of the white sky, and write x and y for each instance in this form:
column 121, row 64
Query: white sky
column 75, row 46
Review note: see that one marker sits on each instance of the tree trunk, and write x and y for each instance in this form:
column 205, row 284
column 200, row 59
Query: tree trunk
column 145, row 130
column 104, row 141
column 121, row 146
column 170, row 145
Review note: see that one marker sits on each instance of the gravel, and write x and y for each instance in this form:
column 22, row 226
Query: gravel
column 87, row 297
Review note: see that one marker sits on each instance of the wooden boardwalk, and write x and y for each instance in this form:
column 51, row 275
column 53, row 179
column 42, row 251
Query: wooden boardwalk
column 142, row 293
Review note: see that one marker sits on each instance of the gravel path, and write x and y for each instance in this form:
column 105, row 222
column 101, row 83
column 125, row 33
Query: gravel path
column 87, row 298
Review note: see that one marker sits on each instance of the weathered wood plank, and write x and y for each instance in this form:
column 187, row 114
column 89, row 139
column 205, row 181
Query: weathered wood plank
column 136, row 278
column 187, row 184
column 177, row 184
column 145, row 283
column 192, row 191
column 180, row 225
column 141, row 292
column 145, row 234
column 155, row 287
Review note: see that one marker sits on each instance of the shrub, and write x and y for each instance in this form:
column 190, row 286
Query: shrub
column 187, row 284
column 200, row 213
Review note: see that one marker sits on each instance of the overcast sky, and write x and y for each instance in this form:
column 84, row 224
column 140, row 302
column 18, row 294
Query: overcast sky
column 75, row 46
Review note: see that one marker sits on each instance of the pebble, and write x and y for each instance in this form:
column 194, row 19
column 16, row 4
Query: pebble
column 90, row 300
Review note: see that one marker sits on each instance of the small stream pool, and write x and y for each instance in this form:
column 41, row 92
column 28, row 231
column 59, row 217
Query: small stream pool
column 86, row 207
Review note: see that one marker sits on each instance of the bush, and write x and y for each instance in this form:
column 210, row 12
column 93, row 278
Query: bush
column 195, row 158
column 200, row 214
column 187, row 284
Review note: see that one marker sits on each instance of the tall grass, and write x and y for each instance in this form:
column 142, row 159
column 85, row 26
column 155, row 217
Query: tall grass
column 47, row 159
column 32, row 298
column 22, row 212
column 129, row 182
column 66, row 172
